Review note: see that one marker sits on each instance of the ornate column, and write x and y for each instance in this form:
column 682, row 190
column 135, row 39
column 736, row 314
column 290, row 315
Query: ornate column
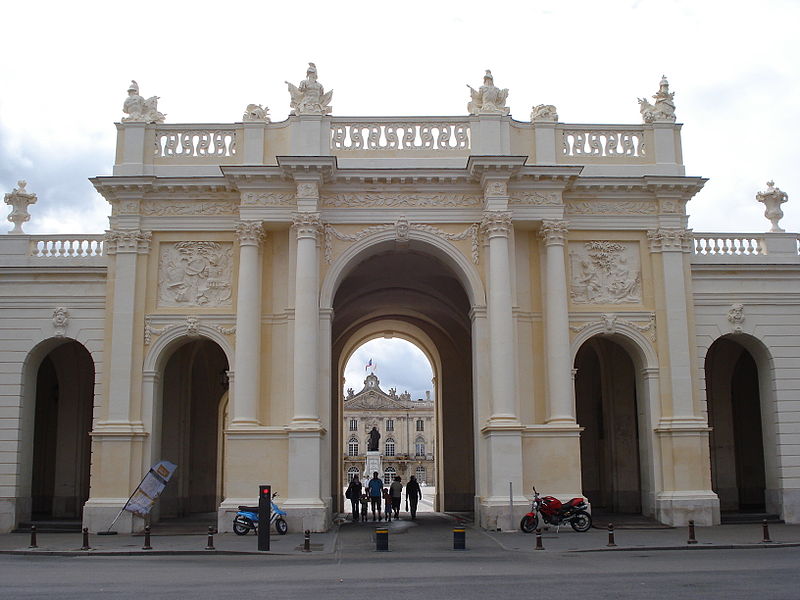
column 496, row 226
column 306, row 319
column 125, row 246
column 561, row 405
column 246, row 386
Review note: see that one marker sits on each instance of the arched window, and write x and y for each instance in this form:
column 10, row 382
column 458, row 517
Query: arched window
column 388, row 475
column 351, row 472
column 352, row 446
column 420, row 474
column 420, row 446
column 389, row 448
column 420, row 425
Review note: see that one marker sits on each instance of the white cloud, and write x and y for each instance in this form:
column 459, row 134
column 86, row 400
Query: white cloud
column 400, row 365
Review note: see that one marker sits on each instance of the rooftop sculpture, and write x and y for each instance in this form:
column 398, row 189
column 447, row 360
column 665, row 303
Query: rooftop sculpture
column 139, row 109
column 663, row 111
column 772, row 199
column 309, row 98
column 488, row 99
column 19, row 200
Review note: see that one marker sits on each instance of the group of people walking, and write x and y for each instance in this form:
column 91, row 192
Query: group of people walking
column 374, row 494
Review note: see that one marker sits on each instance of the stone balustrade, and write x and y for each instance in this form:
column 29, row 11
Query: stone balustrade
column 429, row 135
column 746, row 248
column 729, row 244
column 182, row 141
column 620, row 143
column 61, row 246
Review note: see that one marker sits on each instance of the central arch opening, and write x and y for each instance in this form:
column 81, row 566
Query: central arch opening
column 417, row 293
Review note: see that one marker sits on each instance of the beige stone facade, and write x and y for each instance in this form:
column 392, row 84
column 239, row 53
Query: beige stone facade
column 581, row 337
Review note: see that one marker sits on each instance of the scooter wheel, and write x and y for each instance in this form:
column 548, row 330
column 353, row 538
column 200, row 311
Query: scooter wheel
column 241, row 525
column 582, row 521
column 528, row 523
column 281, row 527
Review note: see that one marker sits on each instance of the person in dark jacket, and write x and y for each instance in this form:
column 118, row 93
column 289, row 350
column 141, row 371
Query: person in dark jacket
column 413, row 495
column 353, row 494
column 375, row 487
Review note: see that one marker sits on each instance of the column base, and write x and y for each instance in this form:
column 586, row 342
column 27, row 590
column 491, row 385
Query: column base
column 311, row 514
column 12, row 511
column 495, row 514
column 678, row 508
column 786, row 503
column 98, row 513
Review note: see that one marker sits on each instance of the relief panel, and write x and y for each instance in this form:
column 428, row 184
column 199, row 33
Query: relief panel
column 605, row 272
column 195, row 274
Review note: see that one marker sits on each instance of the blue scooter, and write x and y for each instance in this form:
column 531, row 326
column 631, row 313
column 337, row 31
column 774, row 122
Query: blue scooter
column 247, row 519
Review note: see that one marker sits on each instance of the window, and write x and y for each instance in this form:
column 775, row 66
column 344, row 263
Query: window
column 389, row 424
column 389, row 448
column 420, row 425
column 420, row 446
column 353, row 424
column 352, row 447
column 351, row 472
column 420, row 474
column 388, row 475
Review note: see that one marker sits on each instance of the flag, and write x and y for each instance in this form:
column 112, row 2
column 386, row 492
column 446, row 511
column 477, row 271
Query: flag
column 142, row 500
column 369, row 364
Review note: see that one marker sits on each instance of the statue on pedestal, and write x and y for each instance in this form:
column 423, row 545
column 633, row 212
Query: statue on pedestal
column 139, row 109
column 374, row 439
column 664, row 108
column 488, row 99
column 310, row 97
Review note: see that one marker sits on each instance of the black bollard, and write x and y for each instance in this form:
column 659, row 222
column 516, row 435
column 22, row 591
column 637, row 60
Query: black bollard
column 692, row 539
column 611, row 541
column 765, row 529
column 210, row 544
column 147, row 545
column 33, row 537
column 381, row 539
column 539, row 545
column 459, row 538
column 307, row 541
column 85, row 539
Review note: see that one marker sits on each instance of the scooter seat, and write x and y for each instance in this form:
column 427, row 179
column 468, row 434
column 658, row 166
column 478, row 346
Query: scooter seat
column 249, row 508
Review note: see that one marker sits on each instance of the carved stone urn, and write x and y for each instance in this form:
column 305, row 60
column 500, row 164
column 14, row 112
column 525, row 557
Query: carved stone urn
column 772, row 199
column 19, row 200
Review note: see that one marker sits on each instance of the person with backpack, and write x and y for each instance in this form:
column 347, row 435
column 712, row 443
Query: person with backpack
column 375, row 488
column 353, row 494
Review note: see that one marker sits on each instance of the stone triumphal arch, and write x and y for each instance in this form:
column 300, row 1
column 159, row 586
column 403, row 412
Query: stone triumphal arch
column 583, row 339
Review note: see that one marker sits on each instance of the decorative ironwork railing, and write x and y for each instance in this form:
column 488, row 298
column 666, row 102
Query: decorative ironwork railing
column 603, row 142
column 729, row 244
column 195, row 142
column 60, row 246
column 420, row 135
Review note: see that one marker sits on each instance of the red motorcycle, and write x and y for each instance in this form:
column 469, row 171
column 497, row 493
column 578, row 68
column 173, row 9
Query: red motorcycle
column 556, row 513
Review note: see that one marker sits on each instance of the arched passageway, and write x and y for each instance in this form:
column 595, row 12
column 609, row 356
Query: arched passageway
column 606, row 404
column 194, row 382
column 407, row 284
column 62, row 424
column 734, row 414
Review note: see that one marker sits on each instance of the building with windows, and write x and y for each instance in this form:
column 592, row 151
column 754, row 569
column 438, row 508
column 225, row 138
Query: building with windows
column 407, row 428
column 581, row 337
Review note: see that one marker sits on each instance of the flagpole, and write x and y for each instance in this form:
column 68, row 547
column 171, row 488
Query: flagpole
column 124, row 506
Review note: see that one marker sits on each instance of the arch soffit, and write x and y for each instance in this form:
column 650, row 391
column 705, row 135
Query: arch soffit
column 43, row 347
column 755, row 346
column 642, row 350
column 465, row 271
column 163, row 347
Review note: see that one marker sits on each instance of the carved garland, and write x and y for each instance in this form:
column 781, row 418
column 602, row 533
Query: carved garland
column 401, row 228
column 191, row 324
column 610, row 323
column 391, row 199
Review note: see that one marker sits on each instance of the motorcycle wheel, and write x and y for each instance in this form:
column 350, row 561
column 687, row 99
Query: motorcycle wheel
column 582, row 521
column 241, row 525
column 529, row 523
column 280, row 526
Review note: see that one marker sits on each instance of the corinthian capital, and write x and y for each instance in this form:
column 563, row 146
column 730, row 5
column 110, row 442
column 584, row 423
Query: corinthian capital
column 553, row 232
column 250, row 233
column 496, row 223
column 118, row 241
column 672, row 239
column 307, row 224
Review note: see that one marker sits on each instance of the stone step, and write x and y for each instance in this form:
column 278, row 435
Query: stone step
column 730, row 518
column 50, row 526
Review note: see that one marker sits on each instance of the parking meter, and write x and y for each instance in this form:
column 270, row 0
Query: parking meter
column 264, row 516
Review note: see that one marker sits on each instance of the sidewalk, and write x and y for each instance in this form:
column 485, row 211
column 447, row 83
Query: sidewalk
column 430, row 535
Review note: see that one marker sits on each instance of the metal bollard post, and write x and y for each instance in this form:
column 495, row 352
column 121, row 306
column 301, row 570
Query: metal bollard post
column 692, row 539
column 381, row 539
column 33, row 537
column 210, row 544
column 307, row 541
column 147, row 545
column 539, row 545
column 765, row 528
column 85, row 539
column 459, row 538
column 611, row 541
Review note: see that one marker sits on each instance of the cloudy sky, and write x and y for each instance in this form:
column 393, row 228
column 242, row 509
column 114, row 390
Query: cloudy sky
column 65, row 68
